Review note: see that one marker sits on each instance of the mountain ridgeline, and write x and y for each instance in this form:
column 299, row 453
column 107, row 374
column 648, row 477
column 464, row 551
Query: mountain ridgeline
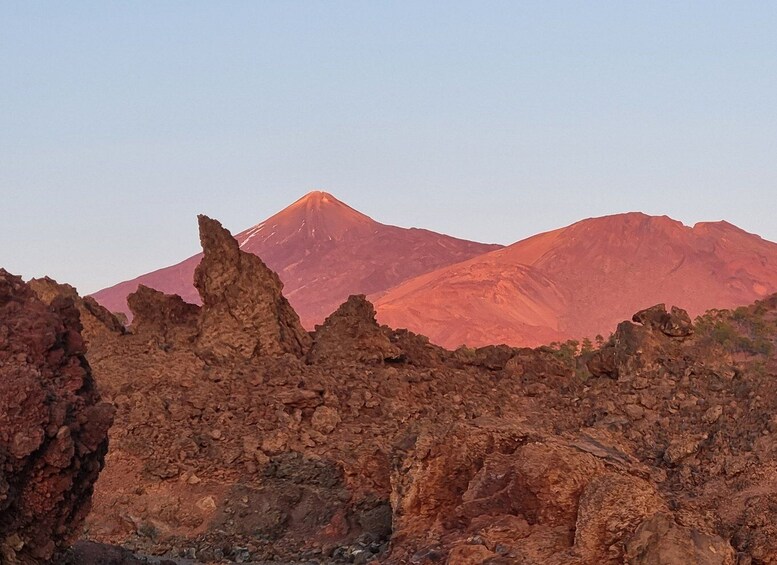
column 570, row 283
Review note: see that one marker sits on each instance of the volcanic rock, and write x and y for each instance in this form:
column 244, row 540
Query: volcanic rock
column 352, row 334
column 676, row 323
column 97, row 322
column 166, row 317
column 661, row 541
column 244, row 313
column 53, row 427
column 538, row 499
column 90, row 553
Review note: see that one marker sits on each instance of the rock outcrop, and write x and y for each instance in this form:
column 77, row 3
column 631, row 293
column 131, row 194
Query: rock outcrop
column 97, row 322
column 636, row 347
column 352, row 334
column 521, row 496
column 53, row 427
column 661, row 541
column 676, row 323
column 244, row 314
column 163, row 317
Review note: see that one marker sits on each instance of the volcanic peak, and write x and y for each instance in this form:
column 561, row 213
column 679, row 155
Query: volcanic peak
column 317, row 215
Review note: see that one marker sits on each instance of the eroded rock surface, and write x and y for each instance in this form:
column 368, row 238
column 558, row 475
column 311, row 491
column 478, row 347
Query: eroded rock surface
column 675, row 323
column 96, row 321
column 244, row 314
column 53, row 427
column 352, row 334
column 661, row 541
column 165, row 317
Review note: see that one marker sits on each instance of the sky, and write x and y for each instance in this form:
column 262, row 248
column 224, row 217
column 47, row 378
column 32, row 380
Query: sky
column 486, row 120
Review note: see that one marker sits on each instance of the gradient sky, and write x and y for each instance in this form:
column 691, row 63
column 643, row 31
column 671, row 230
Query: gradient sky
column 119, row 121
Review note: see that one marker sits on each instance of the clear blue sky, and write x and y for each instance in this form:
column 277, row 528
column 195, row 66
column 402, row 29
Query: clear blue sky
column 119, row 121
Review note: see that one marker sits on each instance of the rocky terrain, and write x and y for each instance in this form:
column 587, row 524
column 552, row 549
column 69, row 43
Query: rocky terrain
column 357, row 443
column 53, row 426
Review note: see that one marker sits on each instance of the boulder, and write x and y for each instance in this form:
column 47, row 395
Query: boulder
column 659, row 540
column 97, row 322
column 165, row 317
column 53, row 426
column 676, row 323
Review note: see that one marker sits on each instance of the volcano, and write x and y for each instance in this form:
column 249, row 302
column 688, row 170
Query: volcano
column 581, row 280
column 323, row 250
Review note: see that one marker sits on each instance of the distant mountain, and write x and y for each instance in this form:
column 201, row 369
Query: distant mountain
column 582, row 280
column 323, row 250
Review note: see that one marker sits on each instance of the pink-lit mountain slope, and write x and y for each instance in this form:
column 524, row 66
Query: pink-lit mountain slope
column 324, row 251
column 581, row 280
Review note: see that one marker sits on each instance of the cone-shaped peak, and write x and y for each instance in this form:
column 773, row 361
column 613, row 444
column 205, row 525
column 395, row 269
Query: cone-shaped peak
column 317, row 215
column 318, row 197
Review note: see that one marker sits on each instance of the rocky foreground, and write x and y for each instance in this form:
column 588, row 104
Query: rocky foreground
column 53, row 427
column 239, row 437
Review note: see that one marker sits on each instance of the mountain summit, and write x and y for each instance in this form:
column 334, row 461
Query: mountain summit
column 316, row 216
column 323, row 250
column 582, row 280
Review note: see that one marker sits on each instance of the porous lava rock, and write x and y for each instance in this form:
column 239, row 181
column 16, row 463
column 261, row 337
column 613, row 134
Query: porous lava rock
column 244, row 312
column 351, row 333
column 164, row 317
column 97, row 322
column 53, row 426
column 676, row 323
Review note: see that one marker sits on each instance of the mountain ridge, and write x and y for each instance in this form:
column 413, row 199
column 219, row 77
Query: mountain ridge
column 323, row 251
column 597, row 270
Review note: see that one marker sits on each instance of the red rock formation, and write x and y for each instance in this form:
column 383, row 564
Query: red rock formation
column 97, row 322
column 352, row 334
column 163, row 317
column 324, row 251
column 507, row 492
column 53, row 427
column 244, row 313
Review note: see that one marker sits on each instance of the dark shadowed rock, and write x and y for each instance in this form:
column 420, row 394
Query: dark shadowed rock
column 491, row 357
column 244, row 314
column 676, row 323
column 603, row 363
column 164, row 316
column 53, row 427
column 97, row 321
column 91, row 553
column 352, row 334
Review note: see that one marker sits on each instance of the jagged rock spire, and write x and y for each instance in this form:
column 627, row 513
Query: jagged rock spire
column 244, row 313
